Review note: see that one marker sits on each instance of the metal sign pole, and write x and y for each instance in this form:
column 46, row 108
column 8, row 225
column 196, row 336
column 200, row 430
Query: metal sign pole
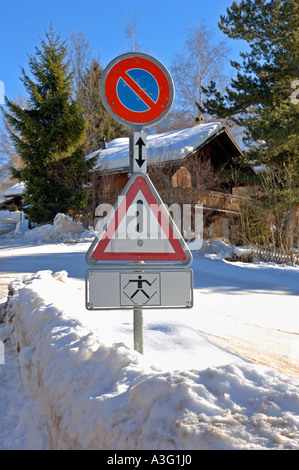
column 138, row 330
column 138, row 163
column 138, row 326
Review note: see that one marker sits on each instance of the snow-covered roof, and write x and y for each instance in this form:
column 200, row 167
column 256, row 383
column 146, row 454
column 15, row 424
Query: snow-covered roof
column 169, row 146
column 17, row 189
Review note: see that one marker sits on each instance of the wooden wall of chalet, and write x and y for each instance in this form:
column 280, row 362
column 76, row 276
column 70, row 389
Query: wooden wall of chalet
column 110, row 186
column 197, row 170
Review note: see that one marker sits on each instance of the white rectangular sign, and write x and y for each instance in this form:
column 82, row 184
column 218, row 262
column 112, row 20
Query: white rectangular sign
column 138, row 148
column 145, row 289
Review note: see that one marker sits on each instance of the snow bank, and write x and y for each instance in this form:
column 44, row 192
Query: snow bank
column 9, row 221
column 96, row 396
column 15, row 215
column 223, row 249
column 63, row 229
column 218, row 248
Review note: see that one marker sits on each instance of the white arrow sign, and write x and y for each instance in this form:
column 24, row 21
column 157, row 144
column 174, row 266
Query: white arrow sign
column 139, row 163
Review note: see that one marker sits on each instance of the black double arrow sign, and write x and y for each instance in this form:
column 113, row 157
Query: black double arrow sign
column 140, row 161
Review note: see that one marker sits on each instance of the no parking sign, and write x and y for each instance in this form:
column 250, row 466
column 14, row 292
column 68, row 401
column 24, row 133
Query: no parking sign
column 137, row 90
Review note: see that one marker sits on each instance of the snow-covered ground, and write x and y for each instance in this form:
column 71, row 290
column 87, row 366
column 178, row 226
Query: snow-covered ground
column 223, row 375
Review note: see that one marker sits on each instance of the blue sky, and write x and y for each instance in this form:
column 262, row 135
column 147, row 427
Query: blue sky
column 161, row 28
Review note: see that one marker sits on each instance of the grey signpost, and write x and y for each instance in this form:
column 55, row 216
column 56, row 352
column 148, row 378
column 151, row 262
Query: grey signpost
column 137, row 90
column 138, row 162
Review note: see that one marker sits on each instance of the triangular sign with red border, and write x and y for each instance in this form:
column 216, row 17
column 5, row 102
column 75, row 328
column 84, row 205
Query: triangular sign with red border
column 139, row 228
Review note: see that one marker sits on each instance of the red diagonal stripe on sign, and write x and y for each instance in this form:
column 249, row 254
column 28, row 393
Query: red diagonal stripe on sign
column 119, row 109
column 138, row 90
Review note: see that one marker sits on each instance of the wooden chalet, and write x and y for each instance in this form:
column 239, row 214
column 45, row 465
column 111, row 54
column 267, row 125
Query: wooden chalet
column 187, row 166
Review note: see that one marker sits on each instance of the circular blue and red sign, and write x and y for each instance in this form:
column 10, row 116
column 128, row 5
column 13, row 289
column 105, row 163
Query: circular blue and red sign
column 137, row 90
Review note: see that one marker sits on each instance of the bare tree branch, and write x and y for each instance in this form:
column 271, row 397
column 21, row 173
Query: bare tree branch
column 131, row 33
column 201, row 62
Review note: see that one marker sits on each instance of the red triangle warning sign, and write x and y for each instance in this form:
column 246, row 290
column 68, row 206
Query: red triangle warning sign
column 139, row 228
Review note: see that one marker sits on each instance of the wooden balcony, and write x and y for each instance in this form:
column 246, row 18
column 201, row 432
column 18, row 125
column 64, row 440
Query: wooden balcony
column 211, row 200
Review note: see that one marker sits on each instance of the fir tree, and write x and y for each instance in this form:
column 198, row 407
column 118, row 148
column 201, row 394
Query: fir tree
column 49, row 134
column 259, row 98
column 101, row 126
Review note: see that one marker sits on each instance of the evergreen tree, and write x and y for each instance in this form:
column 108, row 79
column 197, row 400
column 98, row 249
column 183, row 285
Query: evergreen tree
column 49, row 134
column 260, row 97
column 100, row 124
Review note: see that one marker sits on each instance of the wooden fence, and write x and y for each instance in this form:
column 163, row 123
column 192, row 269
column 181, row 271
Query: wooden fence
column 275, row 256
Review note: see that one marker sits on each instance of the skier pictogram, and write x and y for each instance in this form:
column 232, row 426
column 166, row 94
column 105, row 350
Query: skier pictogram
column 140, row 289
column 140, row 282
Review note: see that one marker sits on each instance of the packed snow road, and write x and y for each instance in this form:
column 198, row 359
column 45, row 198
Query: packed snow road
column 251, row 309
